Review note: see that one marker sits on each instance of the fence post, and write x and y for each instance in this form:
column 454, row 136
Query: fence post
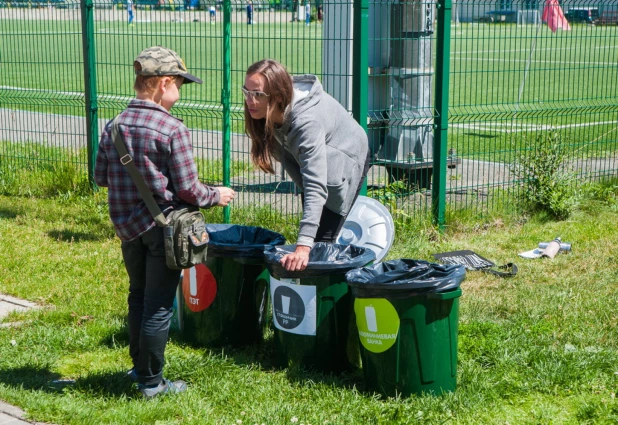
column 360, row 66
column 438, row 190
column 90, row 85
column 225, row 97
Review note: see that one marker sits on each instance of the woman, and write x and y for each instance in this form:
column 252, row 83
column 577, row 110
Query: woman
column 293, row 121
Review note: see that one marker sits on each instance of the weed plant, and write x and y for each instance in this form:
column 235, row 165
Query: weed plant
column 542, row 169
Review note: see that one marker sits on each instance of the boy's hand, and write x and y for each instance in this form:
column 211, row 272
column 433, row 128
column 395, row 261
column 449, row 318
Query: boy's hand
column 226, row 195
column 296, row 261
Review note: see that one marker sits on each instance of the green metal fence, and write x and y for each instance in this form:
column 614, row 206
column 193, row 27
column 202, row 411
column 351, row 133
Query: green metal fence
column 513, row 78
column 448, row 90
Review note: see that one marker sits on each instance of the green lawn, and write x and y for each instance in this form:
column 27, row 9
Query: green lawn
column 539, row 348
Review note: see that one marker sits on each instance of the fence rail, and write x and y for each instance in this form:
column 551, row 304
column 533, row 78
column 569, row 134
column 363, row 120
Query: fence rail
column 448, row 90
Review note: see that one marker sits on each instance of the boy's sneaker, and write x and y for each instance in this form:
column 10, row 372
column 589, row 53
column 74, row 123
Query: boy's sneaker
column 165, row 387
column 132, row 374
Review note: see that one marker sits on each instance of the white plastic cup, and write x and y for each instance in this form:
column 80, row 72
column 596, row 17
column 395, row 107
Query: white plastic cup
column 193, row 282
column 370, row 317
column 285, row 304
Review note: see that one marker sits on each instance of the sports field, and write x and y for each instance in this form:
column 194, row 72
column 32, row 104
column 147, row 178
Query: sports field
column 509, row 81
column 495, row 69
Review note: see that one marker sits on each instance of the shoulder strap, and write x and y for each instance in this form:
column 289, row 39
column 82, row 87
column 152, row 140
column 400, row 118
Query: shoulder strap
column 507, row 266
column 138, row 179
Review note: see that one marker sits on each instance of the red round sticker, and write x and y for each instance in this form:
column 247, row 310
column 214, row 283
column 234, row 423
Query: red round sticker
column 199, row 288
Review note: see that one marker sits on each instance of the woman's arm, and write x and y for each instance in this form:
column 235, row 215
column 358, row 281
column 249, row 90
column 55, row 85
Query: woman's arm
column 308, row 145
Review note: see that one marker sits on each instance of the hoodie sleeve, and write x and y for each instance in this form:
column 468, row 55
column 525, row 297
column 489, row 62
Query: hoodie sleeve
column 308, row 144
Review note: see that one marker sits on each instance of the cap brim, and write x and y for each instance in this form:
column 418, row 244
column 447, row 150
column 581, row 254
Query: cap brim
column 189, row 78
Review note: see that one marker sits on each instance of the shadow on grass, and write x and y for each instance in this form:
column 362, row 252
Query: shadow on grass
column 482, row 135
column 263, row 355
column 119, row 338
column 68, row 236
column 349, row 380
column 274, row 187
column 32, row 378
column 8, row 213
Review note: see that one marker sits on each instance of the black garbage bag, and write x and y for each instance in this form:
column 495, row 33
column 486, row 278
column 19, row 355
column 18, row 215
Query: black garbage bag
column 230, row 240
column 402, row 278
column 324, row 259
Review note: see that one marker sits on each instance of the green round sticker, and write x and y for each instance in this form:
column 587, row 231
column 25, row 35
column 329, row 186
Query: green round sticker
column 378, row 323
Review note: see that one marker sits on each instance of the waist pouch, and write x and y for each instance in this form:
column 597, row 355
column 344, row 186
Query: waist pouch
column 186, row 239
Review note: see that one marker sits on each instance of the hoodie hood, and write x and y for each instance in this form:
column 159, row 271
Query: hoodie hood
column 307, row 93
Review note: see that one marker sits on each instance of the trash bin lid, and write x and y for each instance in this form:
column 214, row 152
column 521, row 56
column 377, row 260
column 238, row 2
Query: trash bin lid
column 369, row 225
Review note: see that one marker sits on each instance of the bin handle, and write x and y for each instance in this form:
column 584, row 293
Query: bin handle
column 265, row 276
column 449, row 295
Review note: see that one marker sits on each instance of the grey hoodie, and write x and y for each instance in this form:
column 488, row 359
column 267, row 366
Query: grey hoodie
column 324, row 152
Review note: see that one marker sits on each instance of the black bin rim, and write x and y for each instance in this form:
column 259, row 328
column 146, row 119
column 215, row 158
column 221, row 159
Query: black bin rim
column 241, row 241
column 404, row 278
column 360, row 256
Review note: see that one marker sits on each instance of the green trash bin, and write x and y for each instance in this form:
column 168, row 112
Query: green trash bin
column 312, row 310
column 226, row 299
column 407, row 316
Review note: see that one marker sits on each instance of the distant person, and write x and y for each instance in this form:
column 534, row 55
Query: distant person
column 307, row 13
column 249, row 13
column 293, row 121
column 295, row 11
column 160, row 147
column 130, row 11
column 320, row 14
column 213, row 14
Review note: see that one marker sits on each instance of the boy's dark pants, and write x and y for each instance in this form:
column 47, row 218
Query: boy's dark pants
column 152, row 288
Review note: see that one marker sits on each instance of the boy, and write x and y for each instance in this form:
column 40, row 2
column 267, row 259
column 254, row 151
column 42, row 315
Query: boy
column 160, row 147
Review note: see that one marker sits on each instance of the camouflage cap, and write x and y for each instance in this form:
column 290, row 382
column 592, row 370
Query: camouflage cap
column 159, row 60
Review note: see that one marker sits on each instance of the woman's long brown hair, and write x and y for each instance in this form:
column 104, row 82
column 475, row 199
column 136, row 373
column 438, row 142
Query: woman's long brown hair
column 281, row 90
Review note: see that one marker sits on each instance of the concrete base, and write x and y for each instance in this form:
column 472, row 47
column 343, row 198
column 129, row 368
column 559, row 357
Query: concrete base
column 9, row 304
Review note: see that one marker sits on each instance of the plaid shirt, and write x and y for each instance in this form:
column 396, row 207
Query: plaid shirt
column 160, row 146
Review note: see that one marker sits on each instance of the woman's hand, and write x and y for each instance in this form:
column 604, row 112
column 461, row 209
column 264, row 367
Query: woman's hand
column 226, row 195
column 296, row 261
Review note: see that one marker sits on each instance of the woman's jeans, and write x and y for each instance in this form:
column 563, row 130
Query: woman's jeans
column 331, row 222
column 152, row 288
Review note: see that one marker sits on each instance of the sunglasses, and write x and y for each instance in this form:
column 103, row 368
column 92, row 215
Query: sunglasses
column 254, row 94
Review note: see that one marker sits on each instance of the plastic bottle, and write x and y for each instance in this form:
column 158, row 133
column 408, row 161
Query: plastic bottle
column 552, row 248
column 564, row 246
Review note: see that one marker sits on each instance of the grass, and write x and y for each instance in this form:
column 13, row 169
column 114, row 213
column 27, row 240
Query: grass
column 34, row 169
column 538, row 348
